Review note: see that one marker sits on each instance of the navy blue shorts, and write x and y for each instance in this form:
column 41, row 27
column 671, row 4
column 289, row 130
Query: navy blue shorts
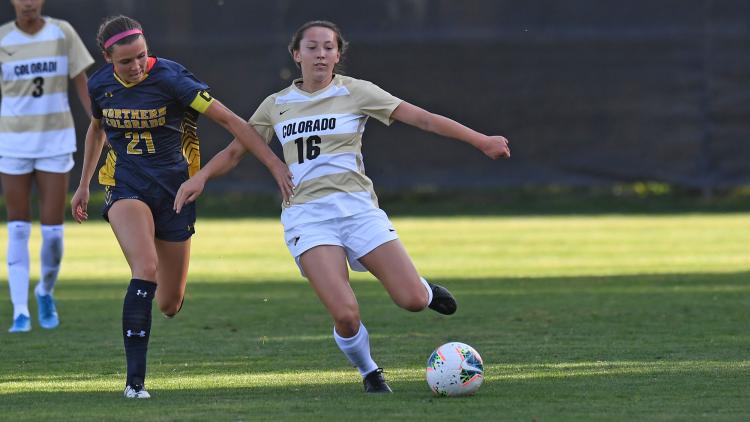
column 168, row 225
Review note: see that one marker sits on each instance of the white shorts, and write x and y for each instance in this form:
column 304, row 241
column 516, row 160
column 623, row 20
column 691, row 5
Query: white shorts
column 57, row 164
column 358, row 234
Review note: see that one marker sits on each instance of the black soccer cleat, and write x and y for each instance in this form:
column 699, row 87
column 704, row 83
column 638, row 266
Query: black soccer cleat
column 375, row 383
column 442, row 300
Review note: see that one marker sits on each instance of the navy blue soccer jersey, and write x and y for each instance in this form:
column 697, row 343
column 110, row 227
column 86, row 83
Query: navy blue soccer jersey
column 151, row 125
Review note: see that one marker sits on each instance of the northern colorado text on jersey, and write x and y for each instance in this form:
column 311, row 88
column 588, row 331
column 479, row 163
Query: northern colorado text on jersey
column 125, row 118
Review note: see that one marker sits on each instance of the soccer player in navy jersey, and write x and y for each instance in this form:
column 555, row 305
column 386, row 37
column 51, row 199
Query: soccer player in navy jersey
column 148, row 107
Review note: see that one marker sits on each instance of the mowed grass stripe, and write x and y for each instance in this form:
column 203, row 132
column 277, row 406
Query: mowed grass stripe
column 458, row 247
column 494, row 372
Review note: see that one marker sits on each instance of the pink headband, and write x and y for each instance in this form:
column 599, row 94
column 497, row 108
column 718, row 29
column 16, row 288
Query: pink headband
column 117, row 37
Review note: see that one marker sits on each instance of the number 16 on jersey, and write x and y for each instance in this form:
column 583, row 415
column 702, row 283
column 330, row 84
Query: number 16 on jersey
column 307, row 148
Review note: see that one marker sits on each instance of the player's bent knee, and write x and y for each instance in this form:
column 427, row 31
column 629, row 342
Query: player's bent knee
column 170, row 309
column 413, row 303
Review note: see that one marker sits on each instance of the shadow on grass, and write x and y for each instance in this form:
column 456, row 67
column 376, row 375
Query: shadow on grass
column 653, row 395
column 518, row 325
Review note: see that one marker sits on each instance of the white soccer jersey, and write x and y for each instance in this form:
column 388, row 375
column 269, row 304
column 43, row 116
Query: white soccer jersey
column 321, row 134
column 35, row 119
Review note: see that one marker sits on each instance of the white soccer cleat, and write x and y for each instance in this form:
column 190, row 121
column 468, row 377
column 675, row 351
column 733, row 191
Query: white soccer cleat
column 136, row 393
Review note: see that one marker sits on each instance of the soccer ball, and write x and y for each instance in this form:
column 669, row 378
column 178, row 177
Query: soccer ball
column 455, row 369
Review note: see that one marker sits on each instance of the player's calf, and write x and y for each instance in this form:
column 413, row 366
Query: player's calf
column 136, row 326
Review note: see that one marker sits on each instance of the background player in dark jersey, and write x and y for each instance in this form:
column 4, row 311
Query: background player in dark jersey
column 147, row 107
column 334, row 216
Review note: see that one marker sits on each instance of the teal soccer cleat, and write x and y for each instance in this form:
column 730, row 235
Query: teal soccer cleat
column 22, row 324
column 47, row 311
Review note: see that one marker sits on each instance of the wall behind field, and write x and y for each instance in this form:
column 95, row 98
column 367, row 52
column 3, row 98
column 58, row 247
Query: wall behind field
column 590, row 92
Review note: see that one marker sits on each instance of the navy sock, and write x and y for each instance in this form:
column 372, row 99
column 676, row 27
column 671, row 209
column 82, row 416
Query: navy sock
column 136, row 326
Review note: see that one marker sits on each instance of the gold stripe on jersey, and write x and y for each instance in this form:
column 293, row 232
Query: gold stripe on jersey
column 56, row 38
column 21, row 87
column 330, row 144
column 56, row 121
column 201, row 101
column 319, row 187
column 190, row 142
column 107, row 172
column 28, row 51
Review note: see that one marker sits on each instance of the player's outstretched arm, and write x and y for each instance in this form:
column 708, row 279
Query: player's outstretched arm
column 252, row 141
column 220, row 164
column 93, row 145
column 492, row 146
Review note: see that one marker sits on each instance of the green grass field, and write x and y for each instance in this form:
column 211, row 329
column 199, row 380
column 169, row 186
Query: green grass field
column 577, row 318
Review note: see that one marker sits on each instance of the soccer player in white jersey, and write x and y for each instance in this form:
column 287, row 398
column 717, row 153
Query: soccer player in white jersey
column 37, row 140
column 333, row 216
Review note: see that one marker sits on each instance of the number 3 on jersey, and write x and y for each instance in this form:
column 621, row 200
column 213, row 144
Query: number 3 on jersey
column 38, row 87
column 135, row 138
column 313, row 150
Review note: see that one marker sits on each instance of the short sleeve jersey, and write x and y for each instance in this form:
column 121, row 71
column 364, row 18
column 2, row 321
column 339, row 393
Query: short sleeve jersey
column 35, row 119
column 321, row 136
column 151, row 125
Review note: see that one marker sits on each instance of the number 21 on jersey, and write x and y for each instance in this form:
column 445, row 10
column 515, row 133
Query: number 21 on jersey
column 135, row 139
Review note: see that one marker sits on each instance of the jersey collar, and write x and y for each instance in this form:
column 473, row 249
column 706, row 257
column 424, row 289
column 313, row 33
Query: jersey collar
column 35, row 34
column 149, row 65
column 312, row 94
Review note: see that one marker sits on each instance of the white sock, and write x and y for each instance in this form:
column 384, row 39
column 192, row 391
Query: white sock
column 51, row 255
column 357, row 349
column 18, row 266
column 429, row 290
column 20, row 310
